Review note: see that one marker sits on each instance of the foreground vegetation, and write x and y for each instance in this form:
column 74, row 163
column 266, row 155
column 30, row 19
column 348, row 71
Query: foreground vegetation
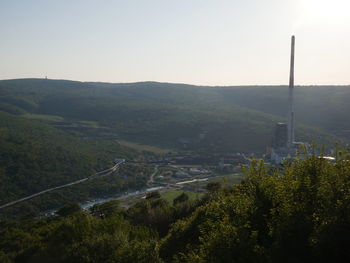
column 297, row 214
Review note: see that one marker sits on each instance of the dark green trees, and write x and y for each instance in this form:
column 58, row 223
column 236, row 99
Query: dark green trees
column 181, row 198
column 69, row 209
column 78, row 238
column 299, row 213
column 153, row 195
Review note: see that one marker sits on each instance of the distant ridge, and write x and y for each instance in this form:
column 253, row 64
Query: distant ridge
column 235, row 118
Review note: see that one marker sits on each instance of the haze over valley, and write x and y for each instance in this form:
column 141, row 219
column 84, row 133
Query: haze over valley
column 103, row 120
column 159, row 131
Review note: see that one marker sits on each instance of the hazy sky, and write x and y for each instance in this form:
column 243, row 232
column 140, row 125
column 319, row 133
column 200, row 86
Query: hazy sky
column 209, row 42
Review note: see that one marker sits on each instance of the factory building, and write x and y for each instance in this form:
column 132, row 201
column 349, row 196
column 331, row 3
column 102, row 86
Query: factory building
column 284, row 146
column 280, row 138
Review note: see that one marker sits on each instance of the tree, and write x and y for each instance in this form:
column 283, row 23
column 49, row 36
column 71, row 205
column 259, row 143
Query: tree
column 69, row 209
column 181, row 198
column 213, row 186
column 153, row 195
column 4, row 258
column 106, row 209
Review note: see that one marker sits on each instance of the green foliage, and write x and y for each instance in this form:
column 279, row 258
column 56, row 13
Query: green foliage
column 35, row 156
column 181, row 198
column 152, row 195
column 158, row 214
column 127, row 178
column 298, row 214
column 9, row 108
column 4, row 258
column 79, row 238
column 69, row 209
column 230, row 118
column 106, row 209
column 213, row 186
column 171, row 195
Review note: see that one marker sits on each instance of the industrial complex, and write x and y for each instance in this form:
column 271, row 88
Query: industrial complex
column 283, row 145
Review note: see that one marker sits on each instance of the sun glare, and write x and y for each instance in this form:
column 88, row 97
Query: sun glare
column 324, row 11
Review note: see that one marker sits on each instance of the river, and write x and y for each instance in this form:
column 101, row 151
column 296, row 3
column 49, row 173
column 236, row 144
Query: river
column 91, row 203
column 87, row 205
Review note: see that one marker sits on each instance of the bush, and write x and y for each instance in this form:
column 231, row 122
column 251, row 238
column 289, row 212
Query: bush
column 69, row 209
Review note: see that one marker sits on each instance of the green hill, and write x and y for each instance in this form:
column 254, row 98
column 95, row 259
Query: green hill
column 56, row 131
column 178, row 115
column 35, row 156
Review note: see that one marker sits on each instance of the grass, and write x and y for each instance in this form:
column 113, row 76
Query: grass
column 89, row 124
column 229, row 179
column 42, row 117
column 171, row 195
column 143, row 147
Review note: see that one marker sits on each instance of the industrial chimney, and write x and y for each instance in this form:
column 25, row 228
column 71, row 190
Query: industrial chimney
column 290, row 99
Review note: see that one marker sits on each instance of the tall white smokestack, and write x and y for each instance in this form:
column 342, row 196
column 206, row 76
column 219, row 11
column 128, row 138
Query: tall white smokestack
column 290, row 100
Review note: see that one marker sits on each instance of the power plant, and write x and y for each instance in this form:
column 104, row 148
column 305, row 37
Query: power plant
column 283, row 144
column 290, row 98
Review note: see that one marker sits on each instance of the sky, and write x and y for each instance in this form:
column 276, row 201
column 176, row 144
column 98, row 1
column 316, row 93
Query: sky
column 202, row 42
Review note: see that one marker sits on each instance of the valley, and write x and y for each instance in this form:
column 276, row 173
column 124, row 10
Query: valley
column 148, row 124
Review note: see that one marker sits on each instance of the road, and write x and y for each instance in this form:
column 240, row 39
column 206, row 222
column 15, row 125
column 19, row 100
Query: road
column 151, row 179
column 99, row 174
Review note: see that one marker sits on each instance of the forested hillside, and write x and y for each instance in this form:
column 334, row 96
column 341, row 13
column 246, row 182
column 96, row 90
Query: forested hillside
column 35, row 156
column 297, row 214
column 322, row 106
column 174, row 115
column 55, row 131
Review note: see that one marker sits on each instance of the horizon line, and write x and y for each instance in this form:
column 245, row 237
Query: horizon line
column 166, row 82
